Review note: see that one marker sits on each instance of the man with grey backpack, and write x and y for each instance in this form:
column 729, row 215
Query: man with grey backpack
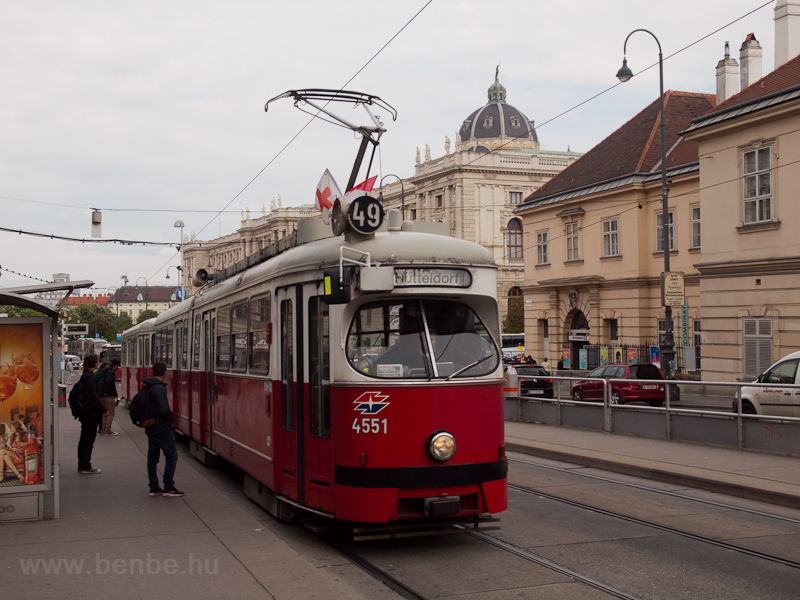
column 159, row 433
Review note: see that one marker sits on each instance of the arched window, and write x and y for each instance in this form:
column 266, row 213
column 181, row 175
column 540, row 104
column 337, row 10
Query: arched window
column 514, row 239
column 513, row 295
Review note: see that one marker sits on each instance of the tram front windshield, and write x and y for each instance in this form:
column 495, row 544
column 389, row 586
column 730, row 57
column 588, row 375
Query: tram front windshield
column 420, row 339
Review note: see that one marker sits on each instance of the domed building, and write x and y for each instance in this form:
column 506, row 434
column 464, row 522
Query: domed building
column 495, row 163
column 497, row 125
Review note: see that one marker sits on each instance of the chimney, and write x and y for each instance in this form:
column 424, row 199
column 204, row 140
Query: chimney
column 787, row 31
column 750, row 61
column 727, row 76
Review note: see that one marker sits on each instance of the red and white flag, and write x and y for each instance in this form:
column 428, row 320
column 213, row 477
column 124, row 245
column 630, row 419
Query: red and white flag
column 363, row 188
column 327, row 194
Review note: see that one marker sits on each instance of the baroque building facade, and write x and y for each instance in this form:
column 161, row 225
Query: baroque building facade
column 496, row 160
column 252, row 235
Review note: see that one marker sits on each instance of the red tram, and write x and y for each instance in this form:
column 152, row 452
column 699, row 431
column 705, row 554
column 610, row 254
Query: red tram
column 357, row 377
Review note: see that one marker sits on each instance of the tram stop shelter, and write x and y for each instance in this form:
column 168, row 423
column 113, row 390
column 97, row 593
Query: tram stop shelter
column 29, row 377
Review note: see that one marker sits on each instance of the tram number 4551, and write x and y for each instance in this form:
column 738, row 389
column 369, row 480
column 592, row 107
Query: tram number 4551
column 367, row 425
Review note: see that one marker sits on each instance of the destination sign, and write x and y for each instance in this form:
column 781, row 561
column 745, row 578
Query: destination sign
column 455, row 278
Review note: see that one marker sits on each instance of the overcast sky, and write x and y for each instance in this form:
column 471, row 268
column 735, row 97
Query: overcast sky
column 159, row 105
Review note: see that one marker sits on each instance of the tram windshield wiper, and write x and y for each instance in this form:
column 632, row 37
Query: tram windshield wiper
column 462, row 369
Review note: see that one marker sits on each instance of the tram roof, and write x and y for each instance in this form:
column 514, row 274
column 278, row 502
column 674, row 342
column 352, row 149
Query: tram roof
column 395, row 249
column 142, row 327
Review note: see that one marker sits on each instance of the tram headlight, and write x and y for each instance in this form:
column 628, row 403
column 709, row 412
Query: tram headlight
column 442, row 446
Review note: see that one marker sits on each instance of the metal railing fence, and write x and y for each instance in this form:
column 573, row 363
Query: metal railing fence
column 780, row 434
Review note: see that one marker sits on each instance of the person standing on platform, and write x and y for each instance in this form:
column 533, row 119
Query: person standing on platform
column 92, row 419
column 108, row 394
column 159, row 435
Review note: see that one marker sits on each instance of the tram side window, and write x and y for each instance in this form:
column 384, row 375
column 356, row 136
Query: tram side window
column 157, row 351
column 239, row 337
column 259, row 326
column 148, row 343
column 319, row 368
column 224, row 338
column 196, row 355
column 168, row 341
column 178, row 340
column 140, row 353
column 420, row 339
column 185, row 344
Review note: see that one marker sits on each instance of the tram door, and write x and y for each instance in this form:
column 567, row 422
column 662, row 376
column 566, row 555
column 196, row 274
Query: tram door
column 318, row 449
column 290, row 315
column 207, row 399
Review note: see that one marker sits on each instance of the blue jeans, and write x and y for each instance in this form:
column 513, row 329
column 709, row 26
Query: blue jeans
column 161, row 441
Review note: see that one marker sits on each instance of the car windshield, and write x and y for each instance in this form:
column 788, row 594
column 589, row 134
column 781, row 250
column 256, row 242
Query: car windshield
column 597, row 372
column 530, row 371
column 396, row 339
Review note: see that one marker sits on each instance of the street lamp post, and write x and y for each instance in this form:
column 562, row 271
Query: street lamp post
column 95, row 313
column 145, row 291
column 624, row 74
column 180, row 269
column 180, row 224
column 116, row 321
column 402, row 194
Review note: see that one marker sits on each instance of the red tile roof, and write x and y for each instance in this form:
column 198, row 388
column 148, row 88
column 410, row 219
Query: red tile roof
column 785, row 76
column 634, row 147
column 76, row 300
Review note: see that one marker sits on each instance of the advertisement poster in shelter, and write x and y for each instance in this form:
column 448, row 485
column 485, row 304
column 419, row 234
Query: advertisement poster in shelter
column 618, row 356
column 633, row 355
column 603, row 356
column 22, row 384
column 583, row 358
column 566, row 358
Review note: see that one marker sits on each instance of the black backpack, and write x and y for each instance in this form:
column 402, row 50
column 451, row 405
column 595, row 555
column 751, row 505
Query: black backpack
column 80, row 402
column 143, row 408
column 104, row 379
column 109, row 383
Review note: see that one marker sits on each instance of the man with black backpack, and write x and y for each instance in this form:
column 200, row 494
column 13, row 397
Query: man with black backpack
column 105, row 379
column 89, row 417
column 159, row 434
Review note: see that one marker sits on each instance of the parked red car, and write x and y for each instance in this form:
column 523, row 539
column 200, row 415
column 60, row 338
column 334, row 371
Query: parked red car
column 623, row 391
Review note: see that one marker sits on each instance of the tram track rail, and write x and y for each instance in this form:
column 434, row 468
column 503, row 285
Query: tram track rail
column 657, row 491
column 659, row 526
column 548, row 564
column 374, row 570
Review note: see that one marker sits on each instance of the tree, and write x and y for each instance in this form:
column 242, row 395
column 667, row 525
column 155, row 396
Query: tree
column 99, row 319
column 146, row 314
column 514, row 321
column 124, row 322
column 18, row 311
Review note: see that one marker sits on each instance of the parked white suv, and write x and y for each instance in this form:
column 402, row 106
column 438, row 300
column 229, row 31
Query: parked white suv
column 781, row 396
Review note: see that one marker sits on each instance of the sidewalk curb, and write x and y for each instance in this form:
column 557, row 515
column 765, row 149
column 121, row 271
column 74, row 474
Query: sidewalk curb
column 637, row 470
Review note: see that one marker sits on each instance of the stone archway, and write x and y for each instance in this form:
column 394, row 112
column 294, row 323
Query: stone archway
column 576, row 334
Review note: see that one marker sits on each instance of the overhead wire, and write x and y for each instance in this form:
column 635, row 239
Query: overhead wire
column 303, row 128
column 520, row 136
column 280, row 152
column 652, row 199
